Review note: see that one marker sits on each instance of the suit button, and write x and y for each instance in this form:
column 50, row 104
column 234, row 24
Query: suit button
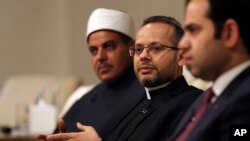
column 193, row 119
column 144, row 111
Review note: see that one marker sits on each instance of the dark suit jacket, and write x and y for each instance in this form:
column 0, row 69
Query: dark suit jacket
column 231, row 107
column 150, row 118
column 99, row 106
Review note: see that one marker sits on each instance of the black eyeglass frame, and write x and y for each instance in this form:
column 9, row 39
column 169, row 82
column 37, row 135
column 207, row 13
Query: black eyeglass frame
column 132, row 48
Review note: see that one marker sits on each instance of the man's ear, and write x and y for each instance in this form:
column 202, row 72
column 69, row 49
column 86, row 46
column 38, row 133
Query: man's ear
column 230, row 33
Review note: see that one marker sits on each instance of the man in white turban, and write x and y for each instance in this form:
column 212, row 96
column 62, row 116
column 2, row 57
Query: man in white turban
column 109, row 34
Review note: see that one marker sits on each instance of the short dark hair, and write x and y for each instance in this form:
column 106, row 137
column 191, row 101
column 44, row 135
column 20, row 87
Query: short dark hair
column 222, row 10
column 179, row 32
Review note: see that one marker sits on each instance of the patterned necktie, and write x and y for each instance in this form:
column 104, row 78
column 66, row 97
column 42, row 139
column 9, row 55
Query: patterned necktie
column 200, row 111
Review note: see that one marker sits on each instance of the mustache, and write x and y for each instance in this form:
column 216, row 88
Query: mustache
column 146, row 64
column 103, row 64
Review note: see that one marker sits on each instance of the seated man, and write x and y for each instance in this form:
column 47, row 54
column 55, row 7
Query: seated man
column 109, row 33
column 216, row 48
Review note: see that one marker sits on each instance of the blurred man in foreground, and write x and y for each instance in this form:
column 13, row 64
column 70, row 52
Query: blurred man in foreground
column 217, row 47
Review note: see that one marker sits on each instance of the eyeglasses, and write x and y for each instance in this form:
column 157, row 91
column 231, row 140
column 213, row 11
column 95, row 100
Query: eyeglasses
column 152, row 48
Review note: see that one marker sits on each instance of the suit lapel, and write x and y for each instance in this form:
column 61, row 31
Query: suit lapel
column 229, row 91
column 214, row 110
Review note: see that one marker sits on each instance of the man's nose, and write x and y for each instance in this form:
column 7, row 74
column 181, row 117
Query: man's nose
column 184, row 43
column 145, row 54
column 102, row 54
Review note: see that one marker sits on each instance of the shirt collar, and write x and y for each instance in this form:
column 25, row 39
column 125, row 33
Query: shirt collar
column 222, row 81
column 154, row 88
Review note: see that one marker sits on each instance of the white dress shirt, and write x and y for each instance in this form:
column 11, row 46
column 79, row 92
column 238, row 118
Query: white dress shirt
column 222, row 81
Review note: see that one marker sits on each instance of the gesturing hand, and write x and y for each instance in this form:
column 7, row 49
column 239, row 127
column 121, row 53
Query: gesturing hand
column 87, row 133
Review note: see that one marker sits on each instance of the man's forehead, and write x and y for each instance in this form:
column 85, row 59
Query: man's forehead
column 154, row 32
column 196, row 11
column 103, row 35
column 104, row 32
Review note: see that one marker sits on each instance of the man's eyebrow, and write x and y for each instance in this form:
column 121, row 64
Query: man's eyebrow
column 138, row 44
column 152, row 43
column 106, row 42
column 109, row 41
column 191, row 26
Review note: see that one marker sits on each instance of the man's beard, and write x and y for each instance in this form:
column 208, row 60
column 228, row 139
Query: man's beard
column 151, row 81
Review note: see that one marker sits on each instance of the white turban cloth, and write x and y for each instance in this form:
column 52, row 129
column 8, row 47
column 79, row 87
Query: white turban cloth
column 110, row 19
